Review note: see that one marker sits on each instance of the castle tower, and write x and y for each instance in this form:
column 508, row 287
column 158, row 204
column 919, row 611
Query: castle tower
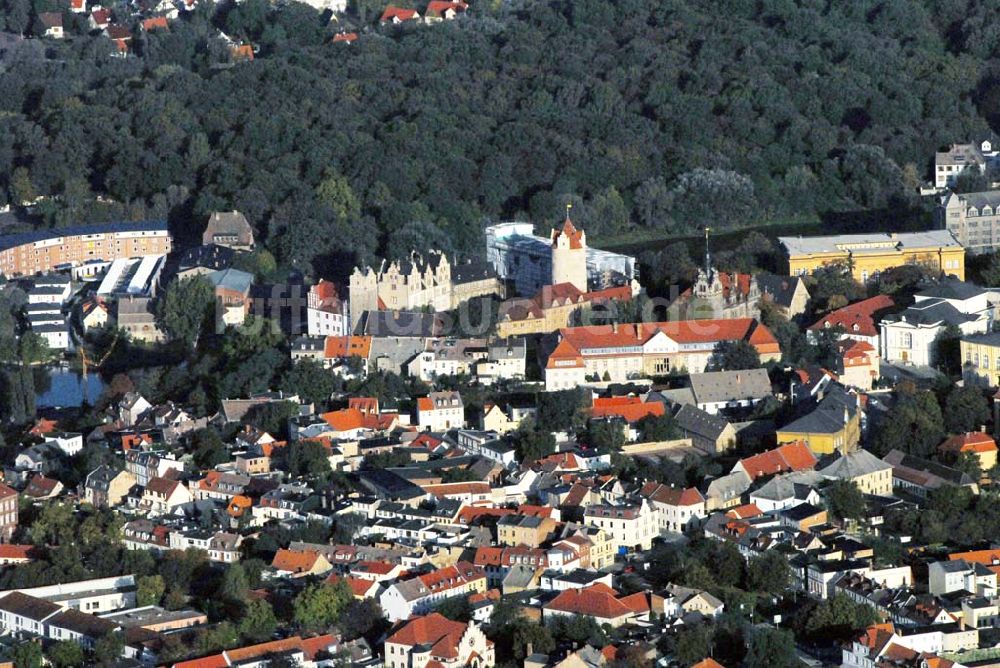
column 569, row 255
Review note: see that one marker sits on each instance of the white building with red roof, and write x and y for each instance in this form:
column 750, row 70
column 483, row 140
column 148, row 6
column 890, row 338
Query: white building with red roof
column 434, row 641
column 326, row 313
column 440, row 411
column 422, row 593
column 621, row 352
column 600, row 602
column 680, row 509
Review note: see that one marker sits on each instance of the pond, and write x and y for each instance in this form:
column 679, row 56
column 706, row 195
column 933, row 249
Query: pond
column 63, row 387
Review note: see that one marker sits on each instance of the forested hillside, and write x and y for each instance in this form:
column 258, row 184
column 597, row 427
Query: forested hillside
column 663, row 114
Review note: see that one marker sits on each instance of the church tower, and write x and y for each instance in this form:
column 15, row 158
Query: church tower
column 569, row 255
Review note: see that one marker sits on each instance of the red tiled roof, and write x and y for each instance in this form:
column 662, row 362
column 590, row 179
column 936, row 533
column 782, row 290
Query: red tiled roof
column 439, row 7
column 12, row 551
column 856, row 318
column 434, row 630
column 347, row 37
column 708, row 662
column 788, row 457
column 155, row 22
column 238, row 505
column 631, row 410
column 399, row 13
column 670, row 495
column 597, row 600
column 569, row 231
column 973, row 441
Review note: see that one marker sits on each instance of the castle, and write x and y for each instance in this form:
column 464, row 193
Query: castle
column 419, row 283
column 569, row 256
column 718, row 295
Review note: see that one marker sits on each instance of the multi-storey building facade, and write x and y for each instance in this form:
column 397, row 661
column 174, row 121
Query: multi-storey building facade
column 44, row 250
column 868, row 255
column 8, row 512
column 974, row 219
column 326, row 314
column 620, row 352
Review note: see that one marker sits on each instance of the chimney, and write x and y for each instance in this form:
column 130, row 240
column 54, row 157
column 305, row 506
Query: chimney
column 614, row 327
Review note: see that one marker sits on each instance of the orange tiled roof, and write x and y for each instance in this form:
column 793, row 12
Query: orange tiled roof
column 744, row 512
column 439, row 7
column 294, row 561
column 670, row 495
column 12, row 551
column 347, row 37
column 336, row 347
column 238, row 505
column 632, row 410
column 788, row 457
column 155, row 22
column 973, row 441
column 708, row 662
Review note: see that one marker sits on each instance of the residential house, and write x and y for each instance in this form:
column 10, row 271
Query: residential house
column 41, row 488
column 106, row 488
column 709, row 433
column 972, row 217
column 980, row 444
column 443, row 10
column 795, row 456
column 326, row 313
column 680, row 510
column 867, row 472
column 857, row 364
column 422, row 593
column 93, row 313
column 300, row 563
column 397, row 15
column 787, row 294
column 599, row 602
column 506, row 418
column 962, row 159
column 8, row 513
column 958, row 575
column 715, row 391
column 630, row 527
column 679, row 601
column 161, row 496
column 135, row 317
column 856, row 321
column 229, row 229
column 52, row 24
column 145, row 465
column 833, row 424
column 920, row 476
column 440, row 411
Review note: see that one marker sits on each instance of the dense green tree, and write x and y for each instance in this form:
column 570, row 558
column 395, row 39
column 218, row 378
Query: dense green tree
column 947, row 355
column 915, row 425
column 845, row 500
column 658, row 428
column 532, row 444
column 186, row 307
column 149, row 590
column 65, row 654
column 208, row 449
column 308, row 379
column 258, row 622
column 770, row 647
column 318, row 606
column 304, row 458
column 108, row 649
column 735, row 356
column 838, row 617
column 965, row 409
column 605, row 435
column 27, row 654
column 693, row 643
column 768, row 573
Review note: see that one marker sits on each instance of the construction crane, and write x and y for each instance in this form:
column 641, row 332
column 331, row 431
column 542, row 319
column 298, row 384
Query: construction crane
column 85, row 363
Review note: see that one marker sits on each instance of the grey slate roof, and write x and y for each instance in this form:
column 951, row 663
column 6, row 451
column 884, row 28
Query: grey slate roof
column 231, row 279
column 14, row 240
column 719, row 386
column 780, row 288
column 931, row 312
column 861, row 244
column 693, row 420
column 854, row 464
column 952, row 288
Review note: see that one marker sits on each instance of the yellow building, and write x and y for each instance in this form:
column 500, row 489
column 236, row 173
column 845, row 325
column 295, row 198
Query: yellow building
column 553, row 308
column 978, row 443
column 981, row 359
column 868, row 255
column 514, row 530
column 833, row 426
column 869, row 474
